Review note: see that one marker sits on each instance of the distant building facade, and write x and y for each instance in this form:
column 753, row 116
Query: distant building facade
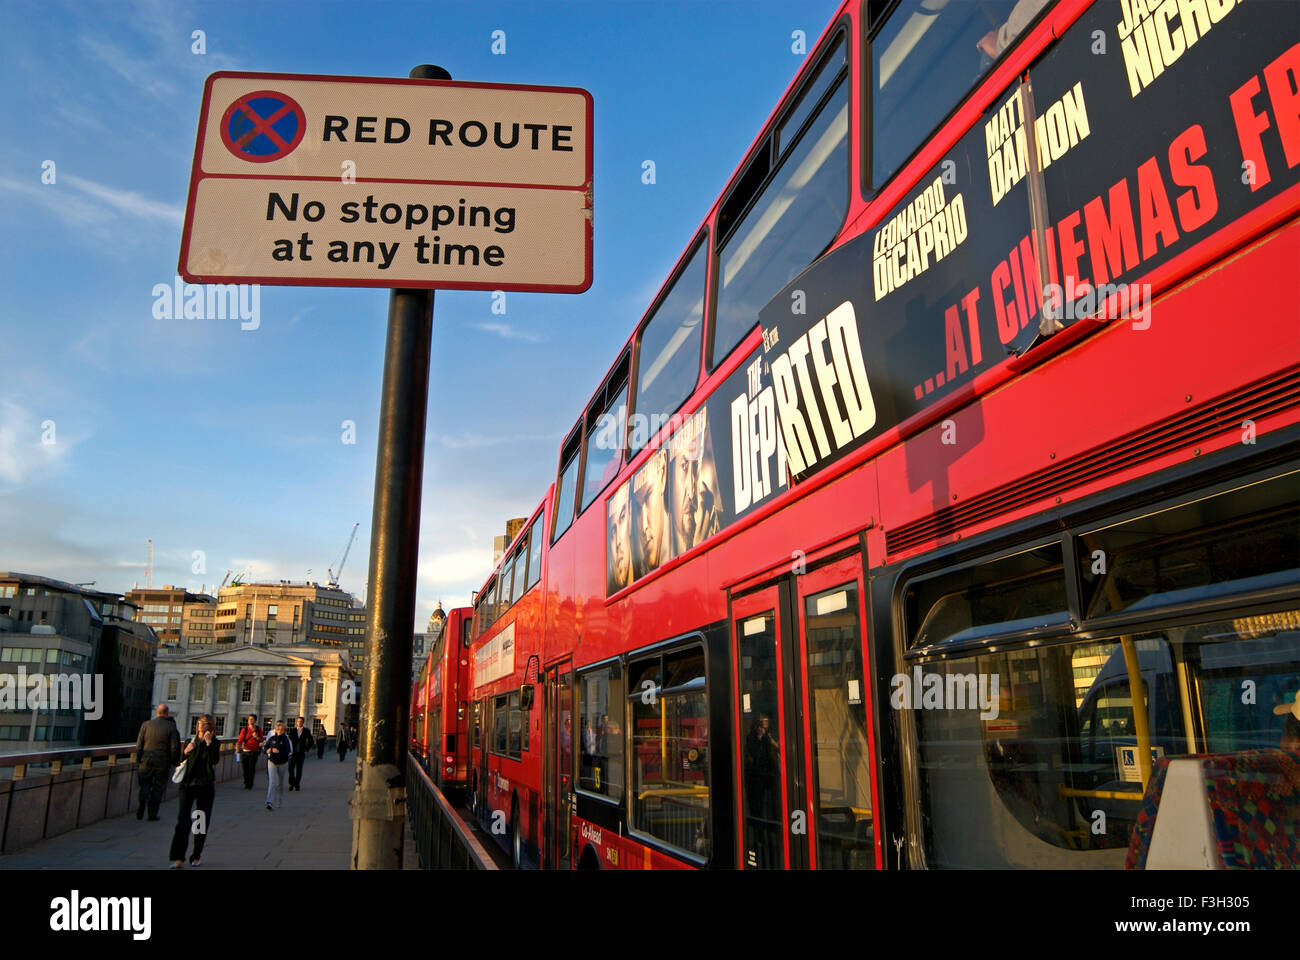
column 163, row 608
column 86, row 645
column 277, row 682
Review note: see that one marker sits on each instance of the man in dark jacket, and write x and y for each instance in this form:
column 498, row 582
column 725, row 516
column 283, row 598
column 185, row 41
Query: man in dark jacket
column 302, row 741
column 157, row 751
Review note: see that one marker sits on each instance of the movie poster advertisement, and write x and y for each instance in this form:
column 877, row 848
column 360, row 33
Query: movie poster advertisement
column 1121, row 152
column 719, row 463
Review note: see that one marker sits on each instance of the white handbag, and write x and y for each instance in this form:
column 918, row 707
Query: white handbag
column 179, row 773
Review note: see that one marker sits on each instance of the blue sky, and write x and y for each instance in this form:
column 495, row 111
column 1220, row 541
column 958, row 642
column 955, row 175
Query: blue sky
column 210, row 438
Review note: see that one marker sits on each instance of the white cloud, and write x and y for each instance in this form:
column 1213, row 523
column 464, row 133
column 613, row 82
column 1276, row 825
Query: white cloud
column 129, row 202
column 469, row 441
column 28, row 447
column 508, row 332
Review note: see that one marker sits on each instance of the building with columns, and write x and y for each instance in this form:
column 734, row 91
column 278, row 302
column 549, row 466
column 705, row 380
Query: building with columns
column 278, row 682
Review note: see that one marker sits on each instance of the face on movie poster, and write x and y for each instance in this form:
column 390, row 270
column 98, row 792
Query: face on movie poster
column 693, row 481
column 651, row 534
column 618, row 525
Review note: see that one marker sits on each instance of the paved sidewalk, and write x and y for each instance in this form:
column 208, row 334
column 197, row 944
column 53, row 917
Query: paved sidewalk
column 311, row 831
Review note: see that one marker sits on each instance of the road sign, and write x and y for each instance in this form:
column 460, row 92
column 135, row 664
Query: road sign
column 369, row 182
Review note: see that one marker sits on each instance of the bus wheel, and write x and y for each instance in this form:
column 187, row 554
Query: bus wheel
column 589, row 860
column 516, row 838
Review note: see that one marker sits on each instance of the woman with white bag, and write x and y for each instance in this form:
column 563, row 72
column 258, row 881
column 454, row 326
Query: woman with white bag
column 198, row 770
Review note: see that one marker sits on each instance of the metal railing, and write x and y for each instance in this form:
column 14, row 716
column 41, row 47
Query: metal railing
column 442, row 841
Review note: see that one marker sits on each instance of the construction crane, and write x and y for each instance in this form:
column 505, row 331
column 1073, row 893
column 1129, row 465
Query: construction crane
column 238, row 579
column 334, row 577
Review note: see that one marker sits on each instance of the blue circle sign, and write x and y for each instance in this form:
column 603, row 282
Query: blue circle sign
column 263, row 126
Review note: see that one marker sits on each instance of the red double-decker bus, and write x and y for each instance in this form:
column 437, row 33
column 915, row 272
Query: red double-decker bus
column 946, row 496
column 439, row 704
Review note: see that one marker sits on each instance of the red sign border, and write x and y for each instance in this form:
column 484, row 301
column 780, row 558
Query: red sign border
column 197, row 176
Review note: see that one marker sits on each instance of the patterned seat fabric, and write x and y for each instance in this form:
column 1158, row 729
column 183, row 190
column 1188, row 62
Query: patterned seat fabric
column 1254, row 797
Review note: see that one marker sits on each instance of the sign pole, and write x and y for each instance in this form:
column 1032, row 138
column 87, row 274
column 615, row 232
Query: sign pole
column 378, row 806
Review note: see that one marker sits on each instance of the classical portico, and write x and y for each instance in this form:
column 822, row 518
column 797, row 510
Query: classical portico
column 279, row 683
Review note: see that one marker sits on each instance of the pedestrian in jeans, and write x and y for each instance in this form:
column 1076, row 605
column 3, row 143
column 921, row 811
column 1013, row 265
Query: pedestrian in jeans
column 278, row 751
column 157, row 751
column 247, row 747
column 341, row 741
column 201, row 757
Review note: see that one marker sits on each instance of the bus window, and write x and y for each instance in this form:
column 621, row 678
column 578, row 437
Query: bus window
column 567, row 485
column 508, row 582
column 668, row 351
column 501, row 714
column 924, row 60
column 600, row 727
column 535, row 553
column 606, row 424
column 811, row 96
column 1040, row 756
column 489, row 604
column 1245, row 539
column 1011, row 594
column 517, row 730
column 670, row 749
column 519, row 569
column 790, row 222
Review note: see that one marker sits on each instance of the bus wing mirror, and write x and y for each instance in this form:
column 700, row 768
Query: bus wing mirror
column 526, row 696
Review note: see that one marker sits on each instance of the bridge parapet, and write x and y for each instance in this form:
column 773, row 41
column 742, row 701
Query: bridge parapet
column 46, row 794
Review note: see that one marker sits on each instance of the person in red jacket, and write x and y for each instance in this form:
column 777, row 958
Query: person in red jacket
column 248, row 747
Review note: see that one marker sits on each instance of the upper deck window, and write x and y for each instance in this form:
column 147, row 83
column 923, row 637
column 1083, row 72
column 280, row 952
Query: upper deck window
column 794, row 215
column 535, row 552
column 668, row 357
column 566, row 487
column 606, row 422
column 924, row 59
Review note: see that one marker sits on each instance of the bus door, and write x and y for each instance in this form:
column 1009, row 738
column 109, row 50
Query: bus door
column 768, row 731
column 836, row 725
column 487, row 730
column 557, row 767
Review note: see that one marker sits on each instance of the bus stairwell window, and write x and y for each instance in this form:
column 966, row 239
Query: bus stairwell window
column 924, row 60
column 788, row 225
column 668, row 352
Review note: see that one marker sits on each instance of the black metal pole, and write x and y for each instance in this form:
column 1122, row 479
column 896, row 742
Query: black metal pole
column 378, row 806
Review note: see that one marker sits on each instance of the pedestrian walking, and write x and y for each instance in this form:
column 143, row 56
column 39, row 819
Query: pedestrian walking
column 279, row 750
column 341, row 741
column 320, row 745
column 157, row 751
column 247, row 748
column 302, row 742
column 202, row 756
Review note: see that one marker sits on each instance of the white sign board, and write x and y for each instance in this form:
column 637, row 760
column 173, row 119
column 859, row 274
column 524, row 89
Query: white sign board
column 496, row 658
column 367, row 182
